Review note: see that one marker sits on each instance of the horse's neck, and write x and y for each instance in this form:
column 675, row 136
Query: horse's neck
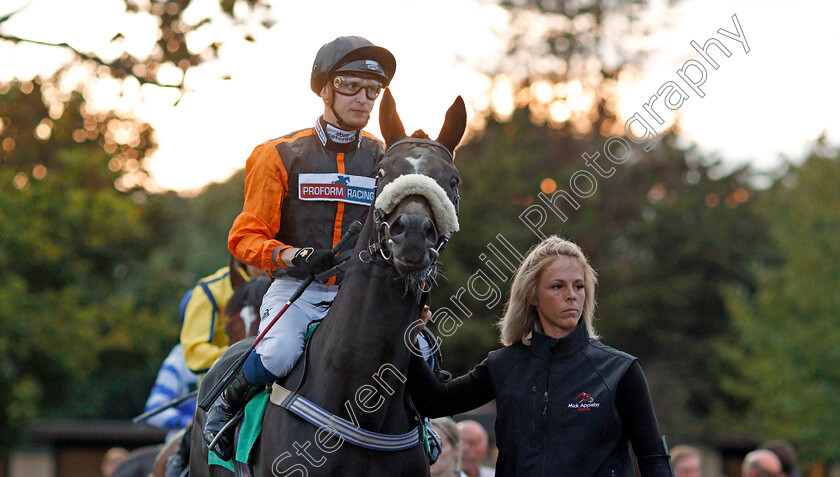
column 359, row 357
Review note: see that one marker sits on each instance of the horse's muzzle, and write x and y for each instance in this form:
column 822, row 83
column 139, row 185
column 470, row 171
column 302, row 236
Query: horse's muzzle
column 412, row 233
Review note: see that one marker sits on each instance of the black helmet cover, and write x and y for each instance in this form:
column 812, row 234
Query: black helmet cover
column 351, row 54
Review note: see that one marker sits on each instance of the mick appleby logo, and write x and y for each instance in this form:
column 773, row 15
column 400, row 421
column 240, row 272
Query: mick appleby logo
column 584, row 402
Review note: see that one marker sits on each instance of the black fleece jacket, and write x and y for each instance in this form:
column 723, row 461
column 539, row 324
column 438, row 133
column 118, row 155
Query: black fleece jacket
column 565, row 407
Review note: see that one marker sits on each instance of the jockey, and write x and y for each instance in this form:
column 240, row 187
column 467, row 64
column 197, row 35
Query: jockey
column 302, row 192
column 203, row 339
column 174, row 380
column 203, row 335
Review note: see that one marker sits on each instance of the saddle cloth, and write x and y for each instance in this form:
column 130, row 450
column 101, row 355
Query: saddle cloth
column 247, row 432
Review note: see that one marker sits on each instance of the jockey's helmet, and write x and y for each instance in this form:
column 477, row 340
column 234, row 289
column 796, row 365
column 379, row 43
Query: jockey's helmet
column 354, row 55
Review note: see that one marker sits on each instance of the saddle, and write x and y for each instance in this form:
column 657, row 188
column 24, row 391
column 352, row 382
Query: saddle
column 248, row 423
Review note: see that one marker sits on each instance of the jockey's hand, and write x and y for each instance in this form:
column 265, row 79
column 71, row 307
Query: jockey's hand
column 313, row 261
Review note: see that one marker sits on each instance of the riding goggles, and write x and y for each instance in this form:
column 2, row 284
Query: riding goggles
column 350, row 86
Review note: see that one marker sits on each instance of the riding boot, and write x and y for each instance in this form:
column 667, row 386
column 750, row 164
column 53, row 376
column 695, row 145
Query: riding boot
column 178, row 462
column 232, row 399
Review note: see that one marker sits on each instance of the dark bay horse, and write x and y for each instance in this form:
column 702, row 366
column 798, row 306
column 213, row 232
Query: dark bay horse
column 356, row 363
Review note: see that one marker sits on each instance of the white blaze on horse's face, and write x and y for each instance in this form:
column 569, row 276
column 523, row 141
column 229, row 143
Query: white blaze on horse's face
column 424, row 160
column 249, row 314
column 415, row 162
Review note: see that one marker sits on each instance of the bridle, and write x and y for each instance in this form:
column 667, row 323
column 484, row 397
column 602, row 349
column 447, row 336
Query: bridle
column 380, row 247
column 448, row 154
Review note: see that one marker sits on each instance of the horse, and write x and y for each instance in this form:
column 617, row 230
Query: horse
column 241, row 323
column 355, row 364
column 243, row 310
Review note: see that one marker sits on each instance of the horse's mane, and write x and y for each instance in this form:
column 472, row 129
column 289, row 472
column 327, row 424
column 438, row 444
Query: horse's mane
column 420, row 134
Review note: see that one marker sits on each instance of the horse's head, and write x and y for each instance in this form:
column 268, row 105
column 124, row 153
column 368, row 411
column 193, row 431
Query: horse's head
column 417, row 190
column 243, row 309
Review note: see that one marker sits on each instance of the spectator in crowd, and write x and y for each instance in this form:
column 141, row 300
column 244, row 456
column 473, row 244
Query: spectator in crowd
column 449, row 460
column 474, row 447
column 761, row 463
column 787, row 455
column 686, row 461
column 112, row 459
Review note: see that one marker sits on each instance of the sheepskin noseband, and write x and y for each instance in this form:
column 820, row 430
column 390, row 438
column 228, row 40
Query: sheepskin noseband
column 446, row 220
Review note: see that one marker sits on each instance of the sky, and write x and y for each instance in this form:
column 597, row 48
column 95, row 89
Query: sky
column 757, row 106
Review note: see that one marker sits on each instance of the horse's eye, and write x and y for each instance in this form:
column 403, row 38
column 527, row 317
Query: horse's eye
column 453, row 182
column 381, row 172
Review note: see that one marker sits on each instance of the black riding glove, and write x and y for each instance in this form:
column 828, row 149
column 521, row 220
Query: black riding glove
column 313, row 261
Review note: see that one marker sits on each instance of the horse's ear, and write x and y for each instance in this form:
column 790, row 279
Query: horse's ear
column 389, row 121
column 454, row 125
column 236, row 278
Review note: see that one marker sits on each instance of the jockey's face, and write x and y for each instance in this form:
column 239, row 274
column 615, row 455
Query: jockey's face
column 353, row 109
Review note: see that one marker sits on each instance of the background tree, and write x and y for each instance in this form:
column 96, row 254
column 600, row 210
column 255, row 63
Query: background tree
column 780, row 368
column 561, row 68
column 90, row 276
column 91, row 270
column 174, row 46
column 669, row 232
column 565, row 60
column 66, row 233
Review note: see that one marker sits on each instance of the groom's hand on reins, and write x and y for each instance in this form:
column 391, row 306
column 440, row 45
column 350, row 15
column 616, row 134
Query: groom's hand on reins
column 313, row 261
column 425, row 316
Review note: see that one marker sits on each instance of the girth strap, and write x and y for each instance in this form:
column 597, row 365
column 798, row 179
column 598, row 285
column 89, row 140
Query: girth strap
column 343, row 428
